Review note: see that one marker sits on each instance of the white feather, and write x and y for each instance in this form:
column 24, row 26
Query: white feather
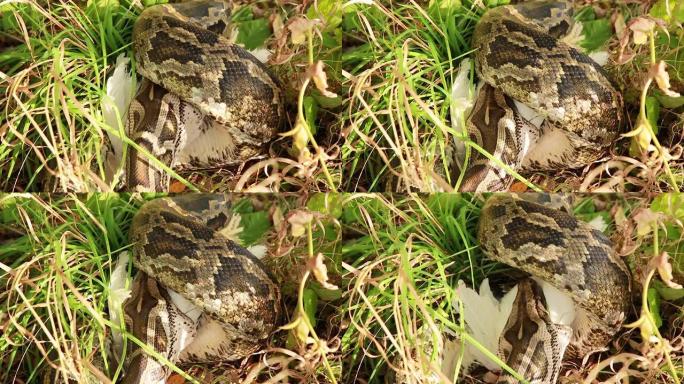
column 258, row 250
column 561, row 307
column 485, row 317
column 120, row 92
column 462, row 100
column 119, row 291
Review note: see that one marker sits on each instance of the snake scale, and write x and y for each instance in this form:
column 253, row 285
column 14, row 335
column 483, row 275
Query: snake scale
column 198, row 296
column 554, row 247
column 522, row 59
column 204, row 102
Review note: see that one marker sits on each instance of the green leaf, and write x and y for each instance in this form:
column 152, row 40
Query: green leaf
column 106, row 3
column 326, row 294
column 254, row 223
column 596, row 33
column 667, row 293
column 653, row 111
column 148, row 3
column 310, row 113
column 327, row 203
column 653, row 300
column 496, row 3
column 352, row 212
column 445, row 4
column 253, row 33
column 330, row 11
column 585, row 14
column 310, row 301
column 332, row 39
column 242, row 14
column 327, row 102
column 659, row 10
column 670, row 204
column 669, row 101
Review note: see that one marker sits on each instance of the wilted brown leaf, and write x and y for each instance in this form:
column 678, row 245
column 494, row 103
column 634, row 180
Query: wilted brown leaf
column 662, row 264
column 320, row 271
column 321, row 79
column 298, row 222
column 659, row 72
column 641, row 27
column 299, row 27
column 645, row 220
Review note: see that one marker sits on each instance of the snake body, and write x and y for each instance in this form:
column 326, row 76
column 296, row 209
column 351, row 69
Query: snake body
column 521, row 57
column 204, row 101
column 554, row 247
column 183, row 258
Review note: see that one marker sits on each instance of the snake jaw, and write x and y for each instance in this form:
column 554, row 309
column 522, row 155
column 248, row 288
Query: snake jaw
column 531, row 343
column 151, row 316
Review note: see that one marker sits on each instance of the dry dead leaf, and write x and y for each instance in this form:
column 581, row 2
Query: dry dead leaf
column 659, row 72
column 645, row 220
column 299, row 27
column 518, row 187
column 298, row 222
column 642, row 135
column 619, row 215
column 175, row 379
column 278, row 218
column 277, row 25
column 321, row 79
column 177, row 187
column 641, row 27
column 300, row 139
column 662, row 264
column 320, row 271
column 620, row 25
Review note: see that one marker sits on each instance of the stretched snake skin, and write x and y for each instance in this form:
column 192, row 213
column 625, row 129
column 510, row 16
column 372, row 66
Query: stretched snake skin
column 198, row 296
column 520, row 55
column 578, row 260
column 204, row 102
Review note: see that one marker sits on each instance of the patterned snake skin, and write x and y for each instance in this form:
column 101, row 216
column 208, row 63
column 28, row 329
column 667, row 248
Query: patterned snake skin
column 179, row 251
column 204, row 102
column 553, row 246
column 520, row 56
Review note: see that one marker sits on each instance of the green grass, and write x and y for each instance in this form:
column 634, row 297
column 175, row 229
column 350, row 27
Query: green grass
column 54, row 298
column 54, row 82
column 404, row 58
column 57, row 256
column 406, row 255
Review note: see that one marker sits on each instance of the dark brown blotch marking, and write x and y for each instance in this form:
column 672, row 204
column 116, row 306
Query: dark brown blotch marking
column 204, row 36
column 540, row 38
column 503, row 50
column 561, row 218
column 236, row 81
column 165, row 47
column 161, row 242
column 520, row 232
column 199, row 230
column 557, row 266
